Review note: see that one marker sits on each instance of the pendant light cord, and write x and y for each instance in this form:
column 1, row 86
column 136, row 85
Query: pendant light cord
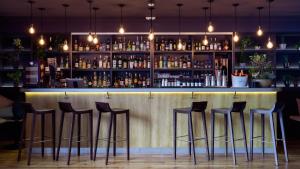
column 151, row 18
column 42, row 19
column 121, row 12
column 95, row 18
column 66, row 28
column 235, row 16
column 205, row 17
column 210, row 9
column 179, row 19
column 90, row 6
column 31, row 12
column 270, row 15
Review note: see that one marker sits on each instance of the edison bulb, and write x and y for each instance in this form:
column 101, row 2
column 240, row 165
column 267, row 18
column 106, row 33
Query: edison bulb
column 121, row 30
column 270, row 44
column 210, row 27
column 42, row 41
column 236, row 37
column 90, row 37
column 179, row 45
column 151, row 36
column 31, row 29
column 259, row 31
column 205, row 41
column 66, row 47
column 95, row 40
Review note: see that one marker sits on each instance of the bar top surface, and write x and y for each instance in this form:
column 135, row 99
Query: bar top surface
column 152, row 90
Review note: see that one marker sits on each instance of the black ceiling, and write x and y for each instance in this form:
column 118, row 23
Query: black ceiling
column 138, row 8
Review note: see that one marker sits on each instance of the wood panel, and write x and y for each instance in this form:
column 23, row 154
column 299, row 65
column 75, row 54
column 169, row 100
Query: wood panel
column 151, row 115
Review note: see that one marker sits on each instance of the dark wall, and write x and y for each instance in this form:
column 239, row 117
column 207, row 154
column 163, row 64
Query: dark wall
column 222, row 24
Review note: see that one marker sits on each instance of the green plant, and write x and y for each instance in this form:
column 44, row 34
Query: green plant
column 261, row 68
column 246, row 42
column 15, row 76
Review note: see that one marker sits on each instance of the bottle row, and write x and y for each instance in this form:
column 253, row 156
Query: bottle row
column 173, row 62
column 131, row 62
column 130, row 80
column 102, row 62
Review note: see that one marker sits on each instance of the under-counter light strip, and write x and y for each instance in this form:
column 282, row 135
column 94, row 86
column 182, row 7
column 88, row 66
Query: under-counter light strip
column 156, row 33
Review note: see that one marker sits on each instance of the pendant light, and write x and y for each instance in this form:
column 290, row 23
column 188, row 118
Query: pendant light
column 179, row 44
column 259, row 32
column 205, row 41
column 151, row 32
column 90, row 37
column 270, row 44
column 95, row 39
column 121, row 28
column 31, row 28
column 41, row 40
column 210, row 27
column 65, row 46
column 236, row 37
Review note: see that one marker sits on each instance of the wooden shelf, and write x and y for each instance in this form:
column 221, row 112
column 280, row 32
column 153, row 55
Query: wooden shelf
column 173, row 69
column 90, row 70
column 131, row 70
column 91, row 52
column 131, row 52
column 173, row 52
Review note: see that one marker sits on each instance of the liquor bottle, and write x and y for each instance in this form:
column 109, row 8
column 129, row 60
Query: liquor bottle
column 75, row 45
column 148, row 45
column 125, row 63
column 107, row 47
column 129, row 46
column 61, row 62
column 142, row 45
column 87, row 47
column 145, row 63
column 104, row 80
column 211, row 45
column 120, row 62
column 126, row 80
column 136, row 64
column 215, row 44
column 89, row 64
column 133, row 47
column 80, row 48
column 137, row 44
column 171, row 45
column 67, row 63
column 107, row 62
column 140, row 81
column 94, row 63
column 189, row 63
column 189, row 45
column 135, row 80
column 130, row 80
column 114, row 62
column 148, row 82
column 50, row 44
column 156, row 45
column 115, row 46
column 95, row 80
column 120, row 45
column 149, row 63
column 100, row 63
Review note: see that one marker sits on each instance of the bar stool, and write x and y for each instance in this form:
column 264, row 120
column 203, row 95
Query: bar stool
column 237, row 107
column 66, row 107
column 28, row 108
column 277, row 108
column 105, row 108
column 195, row 107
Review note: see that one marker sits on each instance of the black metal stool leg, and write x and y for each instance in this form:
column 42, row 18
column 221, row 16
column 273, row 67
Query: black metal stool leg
column 263, row 134
column 192, row 136
column 31, row 138
column 244, row 134
column 175, row 132
column 97, row 135
column 91, row 134
column 53, row 134
column 251, row 134
column 114, row 135
column 71, row 138
column 43, row 134
column 226, row 134
column 78, row 133
column 205, row 134
column 283, row 136
column 21, row 142
column 112, row 116
column 273, row 137
column 128, row 134
column 212, row 128
column 232, row 137
column 60, row 134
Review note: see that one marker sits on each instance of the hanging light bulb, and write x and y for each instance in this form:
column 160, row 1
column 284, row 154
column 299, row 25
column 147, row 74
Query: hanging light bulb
column 259, row 31
column 66, row 46
column 179, row 45
column 42, row 41
column 151, row 36
column 31, row 29
column 236, row 37
column 205, row 41
column 95, row 40
column 121, row 30
column 270, row 43
column 210, row 27
column 90, row 37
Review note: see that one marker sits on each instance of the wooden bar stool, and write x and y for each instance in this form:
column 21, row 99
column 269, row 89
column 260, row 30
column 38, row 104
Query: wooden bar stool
column 105, row 108
column 195, row 107
column 277, row 108
column 237, row 107
column 28, row 108
column 66, row 107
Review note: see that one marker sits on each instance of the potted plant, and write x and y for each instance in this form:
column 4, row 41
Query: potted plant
column 261, row 70
column 15, row 77
column 287, row 80
column 244, row 44
column 286, row 63
column 17, row 43
column 282, row 45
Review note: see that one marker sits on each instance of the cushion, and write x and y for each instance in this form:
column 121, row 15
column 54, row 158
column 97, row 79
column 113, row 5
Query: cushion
column 5, row 102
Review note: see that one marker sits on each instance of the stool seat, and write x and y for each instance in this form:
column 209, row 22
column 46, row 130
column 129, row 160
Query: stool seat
column 44, row 110
column 119, row 110
column 82, row 110
column 260, row 110
column 183, row 110
column 296, row 118
column 221, row 110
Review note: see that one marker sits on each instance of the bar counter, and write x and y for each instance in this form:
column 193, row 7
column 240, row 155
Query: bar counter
column 151, row 117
